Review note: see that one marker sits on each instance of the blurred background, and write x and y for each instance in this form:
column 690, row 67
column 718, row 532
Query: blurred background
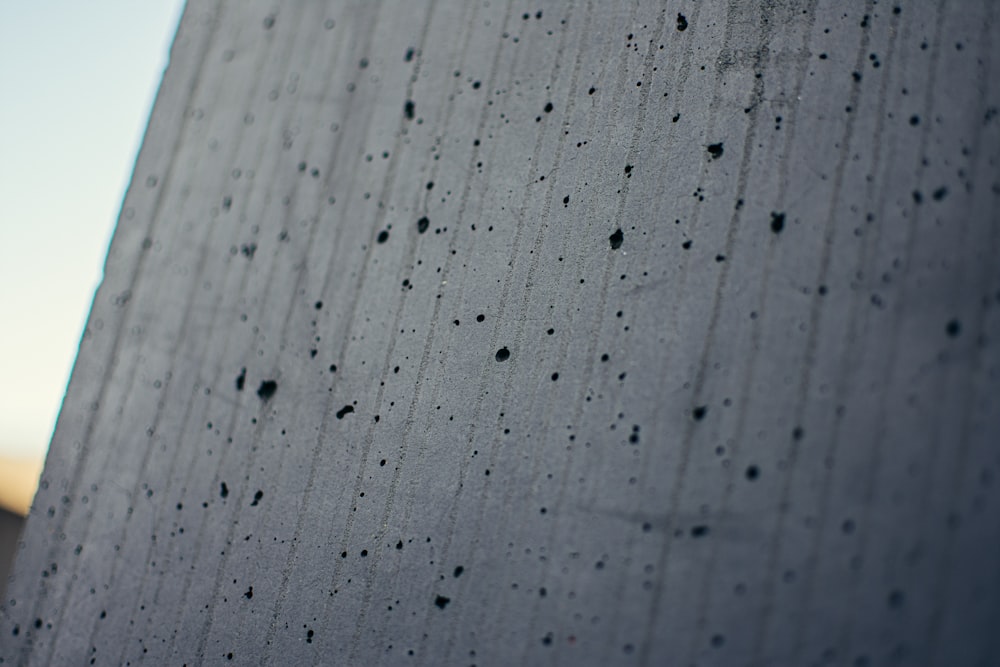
column 79, row 80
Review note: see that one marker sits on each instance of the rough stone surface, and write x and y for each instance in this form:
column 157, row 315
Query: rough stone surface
column 585, row 333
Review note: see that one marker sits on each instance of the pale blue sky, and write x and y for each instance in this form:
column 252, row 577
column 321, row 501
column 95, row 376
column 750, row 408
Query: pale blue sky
column 78, row 81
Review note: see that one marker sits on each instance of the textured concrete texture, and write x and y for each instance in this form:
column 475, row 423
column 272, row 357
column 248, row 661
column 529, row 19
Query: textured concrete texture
column 585, row 333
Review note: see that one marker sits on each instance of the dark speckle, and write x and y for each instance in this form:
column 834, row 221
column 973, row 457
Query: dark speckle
column 682, row 22
column 777, row 222
column 409, row 109
column 896, row 599
column 382, row 237
column 503, row 354
column 458, row 571
column 409, row 55
column 699, row 531
column 940, row 193
column 548, row 107
column 241, row 379
column 699, row 412
column 441, row 601
column 256, row 498
column 953, row 328
column 249, row 594
column 267, row 389
column 616, row 239
column 422, row 225
column 223, row 490
column 753, row 472
column 347, row 409
column 715, row 150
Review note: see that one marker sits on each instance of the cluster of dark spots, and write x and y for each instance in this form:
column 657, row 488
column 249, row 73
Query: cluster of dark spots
column 249, row 594
column 616, row 239
column 248, row 250
column 682, row 22
column 566, row 201
column 503, row 354
column 777, row 222
column 347, row 409
column 256, row 498
column 628, row 171
column 953, row 328
column 409, row 109
column 382, row 237
column 309, row 636
column 422, row 225
column 267, row 389
column 441, row 601
column 241, row 379
column 223, row 490
column 634, row 436
column 715, row 150
column 699, row 412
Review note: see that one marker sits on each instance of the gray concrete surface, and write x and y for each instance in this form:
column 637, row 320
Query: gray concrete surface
column 579, row 333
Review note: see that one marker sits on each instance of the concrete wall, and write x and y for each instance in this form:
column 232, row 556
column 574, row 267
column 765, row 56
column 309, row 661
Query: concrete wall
column 579, row 333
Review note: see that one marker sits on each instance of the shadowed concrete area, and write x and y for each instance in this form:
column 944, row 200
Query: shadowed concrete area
column 586, row 333
column 10, row 531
